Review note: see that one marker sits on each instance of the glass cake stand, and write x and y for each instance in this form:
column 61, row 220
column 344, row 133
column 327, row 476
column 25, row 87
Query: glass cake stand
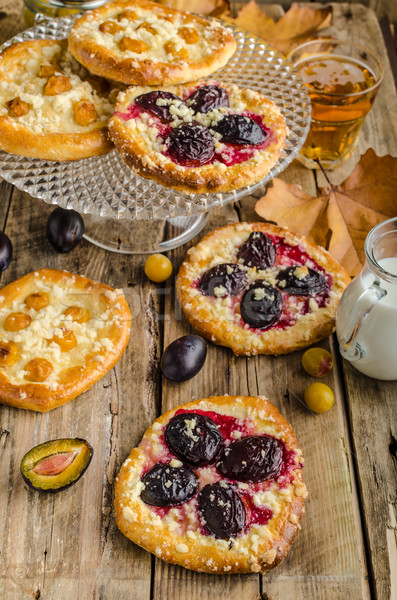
column 130, row 214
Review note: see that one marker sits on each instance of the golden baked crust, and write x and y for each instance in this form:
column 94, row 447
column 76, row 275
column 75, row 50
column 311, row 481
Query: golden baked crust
column 141, row 138
column 41, row 88
column 81, row 346
column 219, row 319
column 144, row 43
column 176, row 535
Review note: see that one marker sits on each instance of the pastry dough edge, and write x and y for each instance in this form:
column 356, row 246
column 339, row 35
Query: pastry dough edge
column 20, row 140
column 39, row 397
column 283, row 342
column 269, row 554
column 105, row 63
column 205, row 179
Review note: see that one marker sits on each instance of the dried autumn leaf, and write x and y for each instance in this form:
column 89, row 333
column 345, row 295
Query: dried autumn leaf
column 202, row 7
column 252, row 19
column 339, row 219
column 296, row 26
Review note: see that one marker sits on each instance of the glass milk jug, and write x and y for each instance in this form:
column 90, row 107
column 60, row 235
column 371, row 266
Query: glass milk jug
column 366, row 322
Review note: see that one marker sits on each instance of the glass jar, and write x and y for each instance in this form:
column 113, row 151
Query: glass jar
column 57, row 8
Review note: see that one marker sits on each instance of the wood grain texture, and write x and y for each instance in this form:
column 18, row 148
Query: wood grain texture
column 382, row 8
column 11, row 18
column 69, row 541
column 314, row 568
column 67, row 545
column 372, row 408
column 373, row 417
column 175, row 582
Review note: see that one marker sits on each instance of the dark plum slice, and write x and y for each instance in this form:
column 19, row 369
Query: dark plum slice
column 57, row 464
column 183, row 358
column 168, row 486
column 261, row 305
column 194, row 439
column 65, row 229
column 301, row 281
column 258, row 251
column 191, row 145
column 222, row 510
column 5, row 251
column 241, row 130
column 149, row 102
column 207, row 98
column 229, row 276
column 251, row 459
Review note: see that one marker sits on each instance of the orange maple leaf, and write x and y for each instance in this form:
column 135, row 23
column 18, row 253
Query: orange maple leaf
column 340, row 218
column 202, row 7
column 296, row 26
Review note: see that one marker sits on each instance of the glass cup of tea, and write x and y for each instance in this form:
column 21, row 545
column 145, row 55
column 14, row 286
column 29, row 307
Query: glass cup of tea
column 342, row 80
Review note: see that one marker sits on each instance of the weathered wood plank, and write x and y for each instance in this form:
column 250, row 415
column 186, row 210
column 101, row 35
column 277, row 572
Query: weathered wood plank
column 11, row 19
column 373, row 439
column 6, row 190
column 314, row 568
column 382, row 8
column 373, row 416
column 68, row 545
column 391, row 46
column 175, row 582
column 375, row 499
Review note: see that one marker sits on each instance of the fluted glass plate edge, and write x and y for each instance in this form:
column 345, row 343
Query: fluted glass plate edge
column 104, row 186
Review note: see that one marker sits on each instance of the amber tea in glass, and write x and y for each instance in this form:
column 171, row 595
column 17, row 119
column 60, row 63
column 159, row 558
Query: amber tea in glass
column 342, row 80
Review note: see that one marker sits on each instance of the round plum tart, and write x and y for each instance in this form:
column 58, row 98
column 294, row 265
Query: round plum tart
column 215, row 485
column 260, row 289
column 200, row 137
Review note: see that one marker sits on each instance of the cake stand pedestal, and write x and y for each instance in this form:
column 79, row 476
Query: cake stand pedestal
column 142, row 237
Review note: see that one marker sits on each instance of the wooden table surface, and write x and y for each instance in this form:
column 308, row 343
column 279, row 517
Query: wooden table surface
column 67, row 546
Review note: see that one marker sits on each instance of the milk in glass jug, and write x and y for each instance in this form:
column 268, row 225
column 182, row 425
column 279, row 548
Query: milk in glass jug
column 366, row 322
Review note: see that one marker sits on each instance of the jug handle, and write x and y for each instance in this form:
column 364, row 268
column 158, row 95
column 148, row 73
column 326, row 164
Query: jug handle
column 349, row 344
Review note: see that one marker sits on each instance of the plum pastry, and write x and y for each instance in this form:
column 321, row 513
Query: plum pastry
column 215, row 485
column 260, row 289
column 144, row 43
column 198, row 138
column 50, row 106
column 59, row 334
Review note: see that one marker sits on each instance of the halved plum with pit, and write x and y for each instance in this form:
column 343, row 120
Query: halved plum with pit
column 168, row 486
column 261, row 305
column 191, row 145
column 222, row 510
column 240, row 130
column 301, row 281
column 258, row 251
column 57, row 464
column 251, row 459
column 158, row 103
column 222, row 280
column 208, row 97
column 195, row 439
